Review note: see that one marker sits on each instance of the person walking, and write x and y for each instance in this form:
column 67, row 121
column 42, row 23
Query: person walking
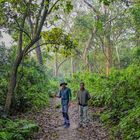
column 65, row 95
column 83, row 96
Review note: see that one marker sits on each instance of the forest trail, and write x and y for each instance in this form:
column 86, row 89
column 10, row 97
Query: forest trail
column 50, row 121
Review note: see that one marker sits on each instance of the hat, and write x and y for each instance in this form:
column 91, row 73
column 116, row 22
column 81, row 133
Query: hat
column 63, row 82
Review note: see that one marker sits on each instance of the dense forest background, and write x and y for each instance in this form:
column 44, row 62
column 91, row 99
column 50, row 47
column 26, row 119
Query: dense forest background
column 45, row 41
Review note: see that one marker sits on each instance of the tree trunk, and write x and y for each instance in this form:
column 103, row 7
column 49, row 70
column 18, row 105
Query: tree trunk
column 72, row 66
column 107, row 61
column 108, row 54
column 118, row 57
column 85, row 52
column 12, row 83
column 39, row 53
column 137, row 39
column 56, row 65
column 38, row 49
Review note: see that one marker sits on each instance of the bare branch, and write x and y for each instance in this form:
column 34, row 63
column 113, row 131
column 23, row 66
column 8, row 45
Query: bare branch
column 35, row 48
column 20, row 41
column 93, row 8
column 30, row 45
column 31, row 25
column 50, row 10
column 37, row 34
column 20, row 28
column 111, row 19
column 45, row 14
column 62, row 62
column 39, row 14
column 78, row 52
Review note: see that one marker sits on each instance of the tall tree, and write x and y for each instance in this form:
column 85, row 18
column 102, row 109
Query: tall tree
column 15, row 18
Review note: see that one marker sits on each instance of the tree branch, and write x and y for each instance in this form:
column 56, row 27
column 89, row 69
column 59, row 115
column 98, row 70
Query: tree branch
column 20, row 28
column 46, row 43
column 38, row 16
column 20, row 41
column 37, row 34
column 45, row 13
column 30, row 45
column 93, row 8
column 110, row 20
column 24, row 32
column 50, row 10
column 62, row 63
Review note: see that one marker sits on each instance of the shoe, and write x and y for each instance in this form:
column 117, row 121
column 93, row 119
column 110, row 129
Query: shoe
column 64, row 124
column 67, row 126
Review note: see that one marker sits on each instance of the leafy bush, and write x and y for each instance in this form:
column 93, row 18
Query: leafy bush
column 129, row 128
column 6, row 56
column 119, row 94
column 16, row 130
column 32, row 87
column 53, row 87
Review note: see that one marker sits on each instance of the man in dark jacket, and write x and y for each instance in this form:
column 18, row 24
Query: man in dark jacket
column 83, row 96
column 65, row 95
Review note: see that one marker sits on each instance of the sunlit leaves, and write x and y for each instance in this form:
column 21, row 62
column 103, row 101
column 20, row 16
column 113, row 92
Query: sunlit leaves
column 65, row 5
column 59, row 40
column 13, row 10
column 107, row 2
column 135, row 11
column 99, row 26
column 53, row 36
column 68, row 7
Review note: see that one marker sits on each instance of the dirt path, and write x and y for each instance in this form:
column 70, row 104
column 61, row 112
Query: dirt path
column 50, row 121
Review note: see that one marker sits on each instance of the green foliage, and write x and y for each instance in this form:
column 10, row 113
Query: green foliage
column 17, row 129
column 68, row 7
column 106, row 2
column 61, row 41
column 6, row 57
column 53, row 87
column 32, row 84
column 119, row 94
column 135, row 12
column 84, row 24
column 32, row 87
column 129, row 127
column 85, row 21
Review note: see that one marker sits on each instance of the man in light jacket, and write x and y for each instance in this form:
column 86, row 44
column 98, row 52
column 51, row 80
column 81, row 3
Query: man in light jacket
column 83, row 96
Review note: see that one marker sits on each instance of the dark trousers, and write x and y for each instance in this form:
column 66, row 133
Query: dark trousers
column 65, row 114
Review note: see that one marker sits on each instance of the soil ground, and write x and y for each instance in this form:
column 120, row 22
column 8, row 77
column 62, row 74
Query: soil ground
column 50, row 121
